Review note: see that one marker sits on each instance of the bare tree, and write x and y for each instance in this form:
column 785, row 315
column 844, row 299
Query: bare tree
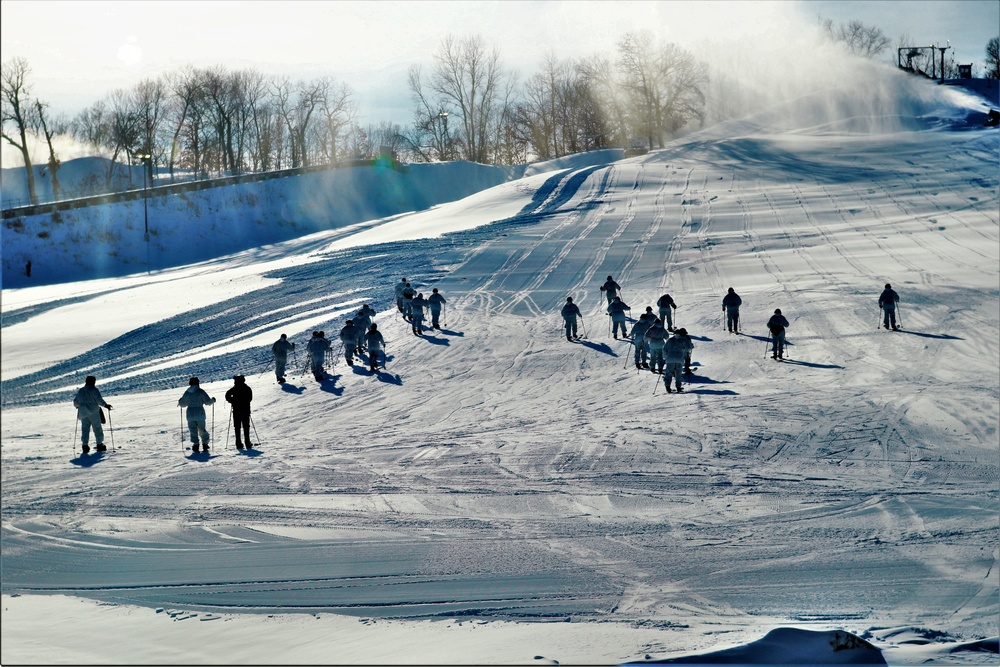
column 470, row 79
column 428, row 136
column 604, row 84
column 124, row 131
column 16, row 110
column 862, row 40
column 185, row 89
column 338, row 111
column 663, row 83
column 993, row 58
column 49, row 128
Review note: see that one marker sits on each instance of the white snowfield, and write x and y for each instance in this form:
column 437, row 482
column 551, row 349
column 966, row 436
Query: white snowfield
column 495, row 475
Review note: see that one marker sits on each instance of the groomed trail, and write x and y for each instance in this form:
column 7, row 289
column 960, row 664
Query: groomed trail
column 496, row 470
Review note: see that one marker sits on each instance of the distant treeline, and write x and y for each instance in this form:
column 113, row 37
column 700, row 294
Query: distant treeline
column 468, row 106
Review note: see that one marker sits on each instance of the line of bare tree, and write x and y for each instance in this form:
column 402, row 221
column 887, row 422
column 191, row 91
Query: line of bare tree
column 467, row 106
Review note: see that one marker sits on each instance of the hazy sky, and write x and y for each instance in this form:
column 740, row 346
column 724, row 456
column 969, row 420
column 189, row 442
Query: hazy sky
column 80, row 51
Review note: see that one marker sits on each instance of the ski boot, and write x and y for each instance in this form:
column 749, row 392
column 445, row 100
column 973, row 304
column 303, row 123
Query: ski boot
column 101, row 448
column 86, row 449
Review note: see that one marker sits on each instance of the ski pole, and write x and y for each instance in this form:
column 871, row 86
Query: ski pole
column 254, row 430
column 724, row 317
column 230, row 424
column 584, row 325
column 76, row 424
column 111, row 430
column 656, row 386
column 878, row 324
column 182, row 431
column 899, row 317
column 767, row 344
column 267, row 362
column 213, row 422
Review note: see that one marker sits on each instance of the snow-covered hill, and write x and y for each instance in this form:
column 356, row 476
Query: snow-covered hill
column 495, row 473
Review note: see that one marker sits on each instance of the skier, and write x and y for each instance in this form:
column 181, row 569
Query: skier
column 435, row 301
column 400, row 286
column 88, row 403
column 375, row 342
column 617, row 312
column 239, row 397
column 369, row 311
column 777, row 325
column 195, row 399
column 638, row 334
column 361, row 323
column 887, row 301
column 349, row 338
column 731, row 306
column 417, row 305
column 677, row 350
column 280, row 350
column 408, row 294
column 655, row 337
column 569, row 314
column 611, row 289
column 690, row 346
column 666, row 306
column 317, row 346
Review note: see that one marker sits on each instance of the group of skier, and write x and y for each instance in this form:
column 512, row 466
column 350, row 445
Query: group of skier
column 658, row 346
column 411, row 304
column 670, row 355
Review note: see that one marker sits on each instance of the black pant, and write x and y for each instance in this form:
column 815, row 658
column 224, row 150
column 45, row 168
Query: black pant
column 241, row 419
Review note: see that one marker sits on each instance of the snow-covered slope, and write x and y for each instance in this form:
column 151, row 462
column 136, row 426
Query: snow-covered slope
column 495, row 472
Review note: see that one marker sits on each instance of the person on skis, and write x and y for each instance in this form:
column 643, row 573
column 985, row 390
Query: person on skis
column 280, row 350
column 349, row 339
column 400, row 286
column 666, row 307
column 677, row 349
column 690, row 346
column 617, row 312
column 375, row 343
column 408, row 294
column 777, row 325
column 731, row 307
column 195, row 399
column 361, row 323
column 887, row 301
column 417, row 305
column 569, row 314
column 655, row 337
column 638, row 335
column 239, row 397
column 318, row 346
column 88, row 403
column 435, row 301
column 610, row 289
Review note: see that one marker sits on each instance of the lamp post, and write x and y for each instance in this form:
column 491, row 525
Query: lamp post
column 942, row 49
column 147, row 163
column 444, row 141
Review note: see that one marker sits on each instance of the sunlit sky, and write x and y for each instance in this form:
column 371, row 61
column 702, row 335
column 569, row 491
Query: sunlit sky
column 80, row 51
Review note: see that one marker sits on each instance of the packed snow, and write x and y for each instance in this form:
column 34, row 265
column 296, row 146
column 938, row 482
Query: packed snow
column 496, row 493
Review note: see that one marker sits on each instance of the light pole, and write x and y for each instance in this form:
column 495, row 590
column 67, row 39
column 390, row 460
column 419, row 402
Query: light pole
column 444, row 141
column 147, row 162
column 942, row 49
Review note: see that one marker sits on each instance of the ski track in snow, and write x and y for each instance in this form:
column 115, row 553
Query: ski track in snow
column 496, row 470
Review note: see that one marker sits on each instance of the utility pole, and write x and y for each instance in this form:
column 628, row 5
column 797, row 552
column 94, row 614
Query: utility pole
column 147, row 163
column 942, row 49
